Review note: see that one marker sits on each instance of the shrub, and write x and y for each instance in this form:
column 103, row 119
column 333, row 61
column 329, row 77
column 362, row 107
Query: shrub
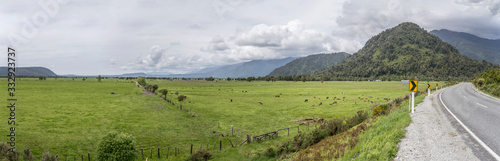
column 28, row 156
column 201, row 155
column 46, row 156
column 181, row 98
column 304, row 140
column 13, row 156
column 379, row 110
column 116, row 147
column 4, row 148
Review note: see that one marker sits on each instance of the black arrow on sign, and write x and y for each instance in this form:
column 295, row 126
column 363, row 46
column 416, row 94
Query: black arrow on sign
column 413, row 85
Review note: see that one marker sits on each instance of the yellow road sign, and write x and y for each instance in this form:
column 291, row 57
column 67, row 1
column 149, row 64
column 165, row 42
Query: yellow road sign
column 413, row 87
column 428, row 86
column 437, row 85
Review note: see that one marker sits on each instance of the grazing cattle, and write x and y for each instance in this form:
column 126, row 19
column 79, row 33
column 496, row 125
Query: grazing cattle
column 342, row 92
column 327, row 97
column 321, row 103
column 364, row 100
column 335, row 102
column 313, row 105
column 277, row 96
column 231, row 100
column 306, row 100
column 260, row 103
column 314, row 97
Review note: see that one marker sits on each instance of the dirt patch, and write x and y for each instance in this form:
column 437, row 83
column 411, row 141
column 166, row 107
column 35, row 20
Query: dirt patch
column 146, row 92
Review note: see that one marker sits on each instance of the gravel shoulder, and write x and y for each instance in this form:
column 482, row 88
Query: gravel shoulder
column 433, row 135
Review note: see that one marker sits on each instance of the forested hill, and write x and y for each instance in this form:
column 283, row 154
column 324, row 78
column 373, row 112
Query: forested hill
column 407, row 50
column 472, row 46
column 29, row 72
column 310, row 64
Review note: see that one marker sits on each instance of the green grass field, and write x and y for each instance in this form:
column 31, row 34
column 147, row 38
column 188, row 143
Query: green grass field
column 71, row 116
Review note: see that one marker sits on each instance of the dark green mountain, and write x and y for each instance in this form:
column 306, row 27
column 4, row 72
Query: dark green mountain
column 407, row 52
column 29, row 72
column 310, row 64
column 472, row 46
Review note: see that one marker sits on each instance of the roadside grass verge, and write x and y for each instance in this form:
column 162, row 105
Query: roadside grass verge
column 380, row 142
column 374, row 139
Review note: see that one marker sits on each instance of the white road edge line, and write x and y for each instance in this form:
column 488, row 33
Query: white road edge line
column 470, row 132
column 482, row 105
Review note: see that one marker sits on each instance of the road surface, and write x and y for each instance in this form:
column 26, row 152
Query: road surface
column 479, row 113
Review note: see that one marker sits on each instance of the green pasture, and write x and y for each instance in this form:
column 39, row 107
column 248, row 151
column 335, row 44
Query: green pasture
column 69, row 117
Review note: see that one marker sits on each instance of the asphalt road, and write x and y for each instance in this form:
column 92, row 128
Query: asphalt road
column 479, row 113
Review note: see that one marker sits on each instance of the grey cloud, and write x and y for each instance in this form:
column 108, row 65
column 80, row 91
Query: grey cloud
column 175, row 43
column 216, row 44
column 195, row 26
column 495, row 8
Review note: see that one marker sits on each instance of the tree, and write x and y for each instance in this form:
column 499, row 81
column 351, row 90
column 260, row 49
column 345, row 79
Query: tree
column 228, row 79
column 164, row 92
column 99, row 78
column 116, row 146
column 141, row 81
column 210, row 79
column 154, row 88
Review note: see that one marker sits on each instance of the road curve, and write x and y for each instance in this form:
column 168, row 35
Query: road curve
column 479, row 113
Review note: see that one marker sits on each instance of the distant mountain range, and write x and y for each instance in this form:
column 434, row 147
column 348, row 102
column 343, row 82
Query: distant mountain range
column 29, row 72
column 254, row 68
column 472, row 46
column 407, row 51
column 310, row 64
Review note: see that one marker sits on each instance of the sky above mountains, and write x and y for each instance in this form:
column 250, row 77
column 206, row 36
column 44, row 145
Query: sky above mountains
column 126, row 36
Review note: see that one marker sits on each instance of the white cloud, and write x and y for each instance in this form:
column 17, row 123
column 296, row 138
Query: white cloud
column 226, row 31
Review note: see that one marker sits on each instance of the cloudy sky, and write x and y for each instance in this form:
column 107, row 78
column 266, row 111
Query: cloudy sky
column 126, row 36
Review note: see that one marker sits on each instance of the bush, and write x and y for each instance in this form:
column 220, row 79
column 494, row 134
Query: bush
column 201, row 155
column 4, row 148
column 181, row 98
column 116, row 147
column 5, row 154
column 304, row 140
column 379, row 110
column 46, row 156
column 13, row 156
column 28, row 156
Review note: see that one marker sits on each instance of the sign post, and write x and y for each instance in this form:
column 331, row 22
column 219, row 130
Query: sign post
column 413, row 88
column 428, row 89
column 437, row 85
